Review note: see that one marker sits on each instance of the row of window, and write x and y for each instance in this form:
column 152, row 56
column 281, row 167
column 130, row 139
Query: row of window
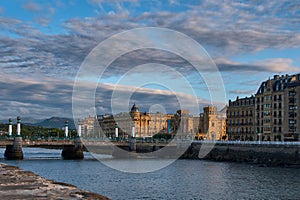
column 240, row 114
column 268, row 98
column 268, row 121
column 268, row 129
column 268, row 106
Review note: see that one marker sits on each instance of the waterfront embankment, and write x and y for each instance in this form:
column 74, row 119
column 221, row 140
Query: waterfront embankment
column 16, row 183
column 264, row 153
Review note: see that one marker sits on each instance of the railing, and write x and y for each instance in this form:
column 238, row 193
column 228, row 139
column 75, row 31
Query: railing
column 248, row 142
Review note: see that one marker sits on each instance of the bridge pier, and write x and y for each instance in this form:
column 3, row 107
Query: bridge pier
column 14, row 151
column 74, row 152
column 132, row 144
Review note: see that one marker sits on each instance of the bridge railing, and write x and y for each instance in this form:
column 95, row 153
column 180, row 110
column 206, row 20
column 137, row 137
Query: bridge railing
column 248, row 142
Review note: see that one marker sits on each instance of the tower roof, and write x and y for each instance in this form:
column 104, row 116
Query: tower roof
column 134, row 108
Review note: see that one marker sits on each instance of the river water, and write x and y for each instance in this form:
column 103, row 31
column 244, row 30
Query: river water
column 183, row 179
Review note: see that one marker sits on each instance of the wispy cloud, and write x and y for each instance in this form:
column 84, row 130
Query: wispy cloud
column 32, row 7
column 226, row 30
column 275, row 65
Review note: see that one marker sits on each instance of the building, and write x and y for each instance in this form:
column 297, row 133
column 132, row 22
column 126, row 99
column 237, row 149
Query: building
column 183, row 123
column 145, row 124
column 276, row 111
column 149, row 124
column 240, row 119
column 212, row 124
column 90, row 127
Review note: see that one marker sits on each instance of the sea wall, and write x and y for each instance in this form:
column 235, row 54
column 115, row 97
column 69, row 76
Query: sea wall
column 16, row 183
column 264, row 154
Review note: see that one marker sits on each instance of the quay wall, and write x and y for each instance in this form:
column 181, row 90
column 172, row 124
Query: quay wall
column 264, row 154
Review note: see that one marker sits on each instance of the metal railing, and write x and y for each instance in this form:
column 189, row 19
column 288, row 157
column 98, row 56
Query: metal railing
column 248, row 142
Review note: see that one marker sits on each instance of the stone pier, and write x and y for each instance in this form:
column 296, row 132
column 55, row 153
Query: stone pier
column 16, row 183
column 132, row 144
column 14, row 151
column 74, row 152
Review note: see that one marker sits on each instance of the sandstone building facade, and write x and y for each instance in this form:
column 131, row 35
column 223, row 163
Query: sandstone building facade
column 210, row 125
column 275, row 110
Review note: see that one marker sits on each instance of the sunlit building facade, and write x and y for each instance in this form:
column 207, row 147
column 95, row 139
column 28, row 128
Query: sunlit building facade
column 276, row 111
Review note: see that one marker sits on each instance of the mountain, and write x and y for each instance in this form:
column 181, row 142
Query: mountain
column 56, row 122
column 25, row 120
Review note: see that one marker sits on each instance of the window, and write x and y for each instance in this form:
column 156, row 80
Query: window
column 292, row 128
column 291, row 93
column 267, row 97
column 291, row 107
column 275, row 97
column 267, row 113
column 275, row 114
column 292, row 100
column 292, row 121
column 292, row 114
column 275, row 105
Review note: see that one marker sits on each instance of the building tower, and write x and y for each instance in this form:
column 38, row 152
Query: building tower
column 210, row 123
column 135, row 116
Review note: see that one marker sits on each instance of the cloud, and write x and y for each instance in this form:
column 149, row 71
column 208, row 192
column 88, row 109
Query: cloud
column 240, row 28
column 50, row 61
column 243, row 92
column 32, row 7
column 42, row 12
column 44, row 97
column 274, row 65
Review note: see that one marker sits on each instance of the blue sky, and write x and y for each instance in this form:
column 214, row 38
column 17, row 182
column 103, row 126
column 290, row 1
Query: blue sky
column 43, row 44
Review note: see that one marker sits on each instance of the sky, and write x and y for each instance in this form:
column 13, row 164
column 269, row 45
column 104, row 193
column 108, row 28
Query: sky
column 44, row 44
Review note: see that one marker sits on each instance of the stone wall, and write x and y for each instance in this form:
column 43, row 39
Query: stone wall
column 265, row 154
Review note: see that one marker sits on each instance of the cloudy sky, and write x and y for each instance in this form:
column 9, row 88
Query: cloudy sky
column 44, row 43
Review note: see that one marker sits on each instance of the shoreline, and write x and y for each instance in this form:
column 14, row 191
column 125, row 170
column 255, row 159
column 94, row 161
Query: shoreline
column 16, row 183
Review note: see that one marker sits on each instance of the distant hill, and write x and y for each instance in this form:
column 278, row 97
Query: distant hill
column 56, row 122
column 25, row 120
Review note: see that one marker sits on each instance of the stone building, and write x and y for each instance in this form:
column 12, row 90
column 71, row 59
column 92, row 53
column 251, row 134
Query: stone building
column 276, row 111
column 240, row 119
column 145, row 124
column 183, row 123
column 211, row 124
column 90, row 127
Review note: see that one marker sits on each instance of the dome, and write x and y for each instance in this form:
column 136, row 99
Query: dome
column 134, row 108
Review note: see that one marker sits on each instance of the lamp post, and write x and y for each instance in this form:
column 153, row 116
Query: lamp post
column 66, row 129
column 116, row 130
column 10, row 127
column 18, row 126
column 132, row 130
column 79, row 129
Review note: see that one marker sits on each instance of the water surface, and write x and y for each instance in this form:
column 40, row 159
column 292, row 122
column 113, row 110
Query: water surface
column 184, row 179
